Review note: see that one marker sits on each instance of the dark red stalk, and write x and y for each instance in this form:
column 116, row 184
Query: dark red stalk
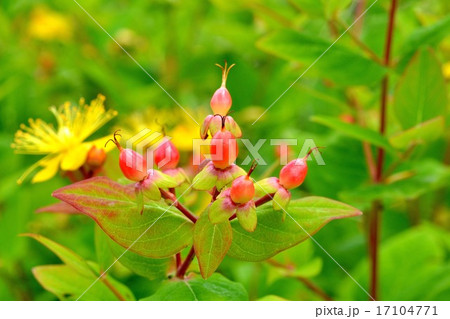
column 178, row 260
column 375, row 216
column 181, row 271
column 178, row 205
column 266, row 198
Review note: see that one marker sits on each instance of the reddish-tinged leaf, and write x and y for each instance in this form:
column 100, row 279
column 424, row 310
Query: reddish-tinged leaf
column 273, row 235
column 59, row 208
column 159, row 232
column 211, row 243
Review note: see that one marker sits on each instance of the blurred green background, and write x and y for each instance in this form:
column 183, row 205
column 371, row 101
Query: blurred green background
column 52, row 52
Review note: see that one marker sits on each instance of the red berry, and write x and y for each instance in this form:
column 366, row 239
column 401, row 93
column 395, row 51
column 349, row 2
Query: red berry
column 293, row 173
column 223, row 149
column 221, row 100
column 132, row 164
column 166, row 155
column 242, row 190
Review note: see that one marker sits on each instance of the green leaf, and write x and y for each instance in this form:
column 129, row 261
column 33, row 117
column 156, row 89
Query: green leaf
column 272, row 235
column 428, row 35
column 216, row 288
column 104, row 255
column 420, row 134
column 420, row 178
column 66, row 255
column 67, row 284
column 272, row 298
column 211, row 243
column 71, row 280
column 150, row 268
column 339, row 63
column 333, row 6
column 108, row 251
column 413, row 264
column 355, row 131
column 159, row 232
column 420, row 94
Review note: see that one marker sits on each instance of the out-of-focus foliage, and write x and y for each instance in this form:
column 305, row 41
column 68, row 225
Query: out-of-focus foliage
column 52, row 52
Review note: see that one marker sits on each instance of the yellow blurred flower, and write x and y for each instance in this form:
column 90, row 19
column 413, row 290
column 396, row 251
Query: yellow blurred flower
column 446, row 70
column 46, row 24
column 176, row 123
column 65, row 146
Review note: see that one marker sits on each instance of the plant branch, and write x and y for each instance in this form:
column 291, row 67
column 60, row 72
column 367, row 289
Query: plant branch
column 165, row 194
column 181, row 271
column 359, row 43
column 112, row 288
column 266, row 198
column 308, row 283
column 314, row 288
column 215, row 193
column 375, row 215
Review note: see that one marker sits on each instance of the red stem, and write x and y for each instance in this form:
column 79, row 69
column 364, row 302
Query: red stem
column 178, row 260
column 375, row 216
column 165, row 194
column 266, row 198
column 215, row 194
column 185, row 265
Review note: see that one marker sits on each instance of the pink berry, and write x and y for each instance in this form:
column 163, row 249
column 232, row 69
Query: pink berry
column 293, row 173
column 166, row 155
column 223, row 149
column 221, row 100
column 242, row 190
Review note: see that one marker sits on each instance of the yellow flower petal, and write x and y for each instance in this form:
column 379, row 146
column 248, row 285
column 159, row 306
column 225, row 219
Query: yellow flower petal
column 100, row 144
column 74, row 158
column 49, row 170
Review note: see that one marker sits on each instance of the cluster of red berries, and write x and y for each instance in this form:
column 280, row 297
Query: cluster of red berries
column 232, row 188
column 149, row 181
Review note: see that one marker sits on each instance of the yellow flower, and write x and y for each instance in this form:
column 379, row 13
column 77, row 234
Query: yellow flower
column 177, row 125
column 46, row 24
column 446, row 70
column 65, row 146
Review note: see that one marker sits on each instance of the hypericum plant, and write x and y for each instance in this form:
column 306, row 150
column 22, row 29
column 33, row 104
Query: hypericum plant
column 149, row 224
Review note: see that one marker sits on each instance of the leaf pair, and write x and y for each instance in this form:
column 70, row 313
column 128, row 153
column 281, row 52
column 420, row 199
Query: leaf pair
column 161, row 231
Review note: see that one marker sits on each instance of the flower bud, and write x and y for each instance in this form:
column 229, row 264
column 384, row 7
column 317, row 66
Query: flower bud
column 96, row 157
column 221, row 100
